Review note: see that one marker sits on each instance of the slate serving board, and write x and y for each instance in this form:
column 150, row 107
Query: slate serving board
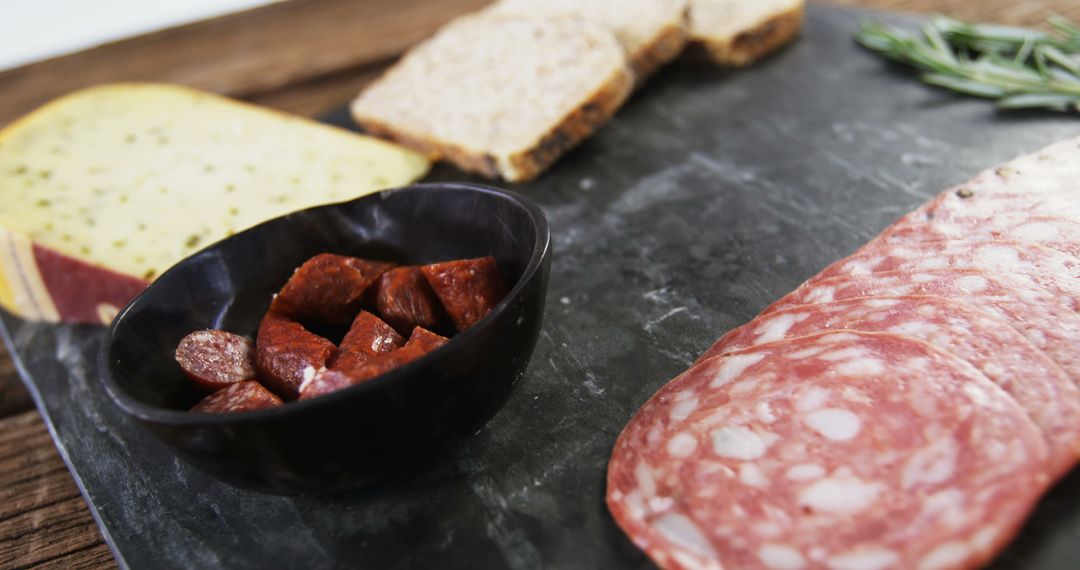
column 708, row 197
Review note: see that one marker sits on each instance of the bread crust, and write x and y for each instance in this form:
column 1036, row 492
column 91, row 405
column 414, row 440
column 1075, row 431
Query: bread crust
column 525, row 165
column 574, row 128
column 666, row 46
column 750, row 45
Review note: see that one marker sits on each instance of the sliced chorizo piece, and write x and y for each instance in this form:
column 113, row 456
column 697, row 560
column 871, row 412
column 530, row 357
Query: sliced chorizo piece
column 328, row 289
column 214, row 359
column 425, row 341
column 405, row 299
column 837, row 450
column 367, row 337
column 238, row 397
column 349, row 373
column 978, row 337
column 468, row 288
column 325, row 382
column 420, row 342
column 286, row 354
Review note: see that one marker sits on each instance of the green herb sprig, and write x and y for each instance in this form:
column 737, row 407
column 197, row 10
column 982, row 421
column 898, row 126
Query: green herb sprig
column 1020, row 68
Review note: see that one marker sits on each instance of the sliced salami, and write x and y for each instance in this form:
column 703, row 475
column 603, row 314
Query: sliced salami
column 1057, row 272
column 1061, row 234
column 1047, row 321
column 983, row 340
column 214, row 359
column 838, row 450
column 239, row 397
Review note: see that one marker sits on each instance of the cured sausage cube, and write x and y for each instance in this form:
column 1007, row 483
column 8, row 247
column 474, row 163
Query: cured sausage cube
column 239, row 397
column 286, row 354
column 215, row 359
column 406, row 300
column 367, row 337
column 468, row 288
column 328, row 289
column 420, row 343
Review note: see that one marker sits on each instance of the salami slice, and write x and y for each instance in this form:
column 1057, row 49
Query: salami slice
column 997, row 350
column 1057, row 272
column 215, row 359
column 239, row 397
column 1046, row 321
column 328, row 289
column 839, row 450
column 468, row 288
column 1056, row 233
column 368, row 337
column 286, row 354
column 406, row 300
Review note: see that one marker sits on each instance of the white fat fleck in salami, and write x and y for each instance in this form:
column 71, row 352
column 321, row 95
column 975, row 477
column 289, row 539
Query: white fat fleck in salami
column 783, row 495
column 984, row 339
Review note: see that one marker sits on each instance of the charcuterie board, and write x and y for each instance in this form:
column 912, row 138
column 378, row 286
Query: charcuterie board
column 710, row 195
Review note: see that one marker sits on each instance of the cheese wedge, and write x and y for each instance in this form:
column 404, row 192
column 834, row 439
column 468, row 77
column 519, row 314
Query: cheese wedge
column 104, row 189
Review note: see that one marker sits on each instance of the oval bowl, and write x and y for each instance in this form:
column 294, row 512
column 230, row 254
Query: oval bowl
column 365, row 432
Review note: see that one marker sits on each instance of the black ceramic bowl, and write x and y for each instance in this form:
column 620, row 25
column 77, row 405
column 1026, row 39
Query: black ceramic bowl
column 365, row 432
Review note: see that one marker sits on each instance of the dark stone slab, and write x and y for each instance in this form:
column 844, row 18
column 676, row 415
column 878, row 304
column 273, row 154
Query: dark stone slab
column 708, row 197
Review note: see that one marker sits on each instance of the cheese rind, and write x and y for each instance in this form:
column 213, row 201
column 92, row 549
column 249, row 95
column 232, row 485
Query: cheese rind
column 131, row 178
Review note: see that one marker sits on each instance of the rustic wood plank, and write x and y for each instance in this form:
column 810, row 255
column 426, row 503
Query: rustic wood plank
column 44, row 521
column 1030, row 14
column 240, row 54
column 304, row 59
column 13, row 395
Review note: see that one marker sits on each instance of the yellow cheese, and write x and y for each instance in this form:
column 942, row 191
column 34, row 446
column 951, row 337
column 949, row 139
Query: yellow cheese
column 135, row 177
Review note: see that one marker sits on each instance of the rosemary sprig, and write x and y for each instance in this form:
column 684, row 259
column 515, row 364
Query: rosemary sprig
column 1020, row 68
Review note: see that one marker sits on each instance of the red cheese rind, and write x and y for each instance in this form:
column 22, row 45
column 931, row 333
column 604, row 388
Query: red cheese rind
column 84, row 293
column 367, row 337
column 824, row 448
column 1046, row 320
column 285, row 352
column 214, row 359
column 979, row 338
column 351, row 373
column 468, row 288
column 406, row 300
column 240, row 397
column 328, row 289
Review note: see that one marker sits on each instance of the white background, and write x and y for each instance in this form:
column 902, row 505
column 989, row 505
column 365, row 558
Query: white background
column 32, row 30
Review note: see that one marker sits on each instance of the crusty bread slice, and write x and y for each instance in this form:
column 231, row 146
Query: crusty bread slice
column 739, row 32
column 102, row 190
column 652, row 32
column 500, row 95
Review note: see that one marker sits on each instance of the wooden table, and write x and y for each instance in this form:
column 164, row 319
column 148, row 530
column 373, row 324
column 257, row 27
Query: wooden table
column 305, row 57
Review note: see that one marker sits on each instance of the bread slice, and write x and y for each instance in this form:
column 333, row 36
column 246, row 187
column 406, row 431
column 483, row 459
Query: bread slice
column 104, row 189
column 500, row 95
column 652, row 32
column 737, row 33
